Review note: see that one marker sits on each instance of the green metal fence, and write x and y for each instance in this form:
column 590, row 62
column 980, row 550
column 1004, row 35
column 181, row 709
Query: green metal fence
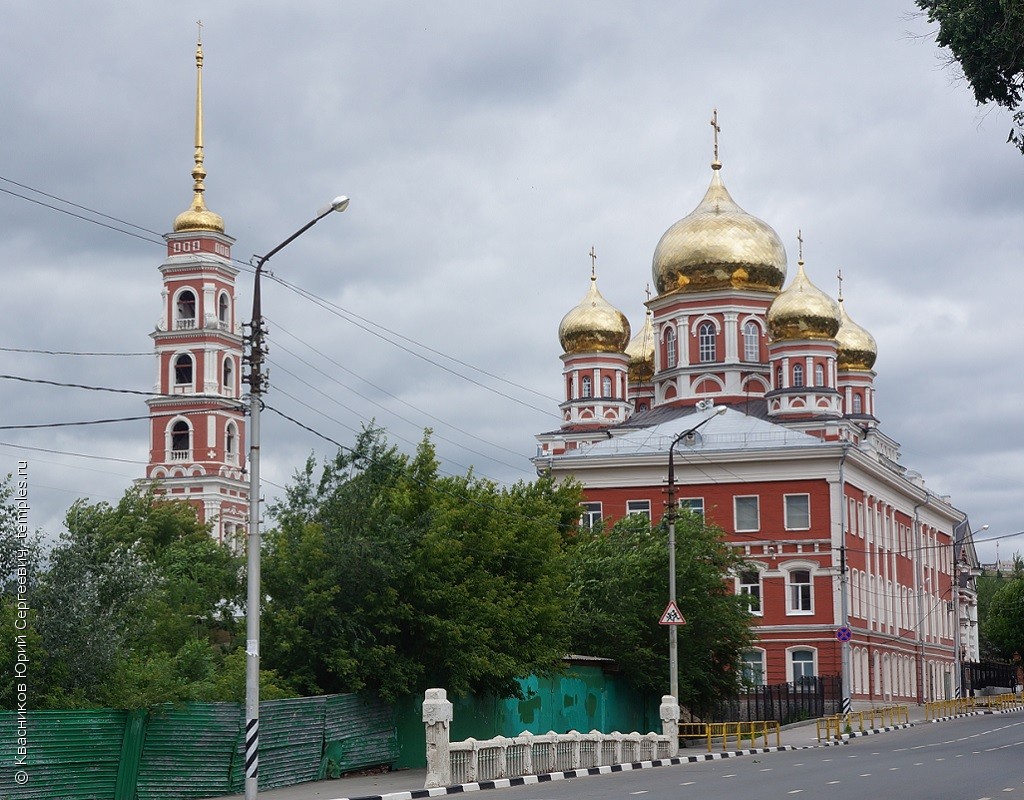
column 191, row 750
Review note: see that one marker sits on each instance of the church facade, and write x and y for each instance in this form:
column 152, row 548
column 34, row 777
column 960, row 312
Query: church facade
column 765, row 395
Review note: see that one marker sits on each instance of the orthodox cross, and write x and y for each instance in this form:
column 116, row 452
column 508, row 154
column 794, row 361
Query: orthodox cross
column 593, row 263
column 718, row 130
column 839, row 275
column 199, row 22
column 800, row 239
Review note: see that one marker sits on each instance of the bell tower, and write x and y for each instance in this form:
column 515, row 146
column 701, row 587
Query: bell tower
column 197, row 421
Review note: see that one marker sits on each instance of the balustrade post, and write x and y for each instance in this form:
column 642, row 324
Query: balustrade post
column 437, row 717
column 669, row 712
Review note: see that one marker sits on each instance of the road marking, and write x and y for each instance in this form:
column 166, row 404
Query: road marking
column 893, row 769
column 865, row 774
column 795, row 791
column 832, row 783
column 688, row 783
column 642, row 791
column 733, row 775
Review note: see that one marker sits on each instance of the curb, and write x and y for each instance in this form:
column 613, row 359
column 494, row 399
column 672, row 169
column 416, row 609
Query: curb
column 548, row 777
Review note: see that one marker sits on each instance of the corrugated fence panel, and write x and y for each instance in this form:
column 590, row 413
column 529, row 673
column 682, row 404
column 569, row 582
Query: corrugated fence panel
column 189, row 751
column 358, row 732
column 291, row 741
column 72, row 755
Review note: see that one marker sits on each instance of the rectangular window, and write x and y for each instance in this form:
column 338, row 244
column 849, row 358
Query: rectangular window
column 638, row 507
column 798, row 512
column 695, row 505
column 803, row 665
column 591, row 514
column 801, row 598
column 750, row 585
column 747, row 513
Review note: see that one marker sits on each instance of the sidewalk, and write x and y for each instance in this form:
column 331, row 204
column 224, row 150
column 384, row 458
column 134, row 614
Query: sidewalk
column 797, row 735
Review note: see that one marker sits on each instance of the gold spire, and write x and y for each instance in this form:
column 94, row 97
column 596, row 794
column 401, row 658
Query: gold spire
column 198, row 217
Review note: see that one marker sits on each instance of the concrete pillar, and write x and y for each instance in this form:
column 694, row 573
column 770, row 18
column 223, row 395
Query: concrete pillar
column 437, row 717
column 669, row 711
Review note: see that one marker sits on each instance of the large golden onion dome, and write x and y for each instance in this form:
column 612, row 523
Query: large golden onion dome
column 719, row 246
column 803, row 311
column 199, row 218
column 594, row 326
column 857, row 348
column 641, row 352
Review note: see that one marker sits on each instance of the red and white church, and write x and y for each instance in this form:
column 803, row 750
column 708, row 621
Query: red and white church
column 789, row 459
column 197, row 421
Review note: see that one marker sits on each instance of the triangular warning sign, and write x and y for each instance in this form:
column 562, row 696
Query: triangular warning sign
column 672, row 616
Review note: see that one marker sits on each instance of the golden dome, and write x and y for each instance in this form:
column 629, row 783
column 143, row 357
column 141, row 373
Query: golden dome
column 857, row 347
column 594, row 326
column 641, row 352
column 719, row 246
column 199, row 218
column 803, row 311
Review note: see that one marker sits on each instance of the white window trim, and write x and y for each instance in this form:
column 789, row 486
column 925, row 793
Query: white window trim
column 644, row 512
column 735, row 513
column 587, row 513
column 785, row 511
column 790, row 678
column 759, row 569
column 764, row 663
column 700, row 513
column 789, row 568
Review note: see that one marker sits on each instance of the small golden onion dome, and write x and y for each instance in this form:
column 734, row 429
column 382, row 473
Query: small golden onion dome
column 641, row 352
column 719, row 246
column 803, row 311
column 199, row 218
column 594, row 326
column 857, row 347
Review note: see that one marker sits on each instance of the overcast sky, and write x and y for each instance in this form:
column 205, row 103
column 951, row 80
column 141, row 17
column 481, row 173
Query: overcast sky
column 486, row 148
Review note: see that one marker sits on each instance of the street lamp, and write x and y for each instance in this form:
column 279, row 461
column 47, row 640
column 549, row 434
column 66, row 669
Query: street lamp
column 252, row 611
column 673, row 634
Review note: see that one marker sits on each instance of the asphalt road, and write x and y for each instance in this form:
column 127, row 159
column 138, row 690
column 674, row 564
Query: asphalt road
column 973, row 758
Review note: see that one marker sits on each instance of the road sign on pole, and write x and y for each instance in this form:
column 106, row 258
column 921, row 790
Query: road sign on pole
column 672, row 616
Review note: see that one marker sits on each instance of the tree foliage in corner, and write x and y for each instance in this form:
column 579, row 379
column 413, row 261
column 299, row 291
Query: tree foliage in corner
column 1003, row 623
column 384, row 575
column 619, row 579
column 986, row 37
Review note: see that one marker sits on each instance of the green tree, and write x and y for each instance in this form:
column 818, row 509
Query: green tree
column 1003, row 624
column 385, row 576
column 985, row 38
column 135, row 606
column 619, row 586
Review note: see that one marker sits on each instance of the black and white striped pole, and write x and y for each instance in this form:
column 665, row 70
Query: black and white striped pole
column 256, row 381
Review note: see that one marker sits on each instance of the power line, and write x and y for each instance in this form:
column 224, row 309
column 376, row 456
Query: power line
column 66, row 352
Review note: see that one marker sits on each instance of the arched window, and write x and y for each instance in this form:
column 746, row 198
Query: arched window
column 606, row 386
column 778, row 378
column 185, row 310
column 231, row 443
column 228, row 378
column 819, row 375
column 183, row 371
column 856, row 404
column 798, row 374
column 803, row 665
column 223, row 310
column 181, row 441
column 706, row 342
column 588, row 390
column 751, row 342
column 670, row 348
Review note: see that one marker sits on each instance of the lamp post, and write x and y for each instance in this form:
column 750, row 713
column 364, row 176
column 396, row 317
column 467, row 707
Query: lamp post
column 673, row 634
column 252, row 611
